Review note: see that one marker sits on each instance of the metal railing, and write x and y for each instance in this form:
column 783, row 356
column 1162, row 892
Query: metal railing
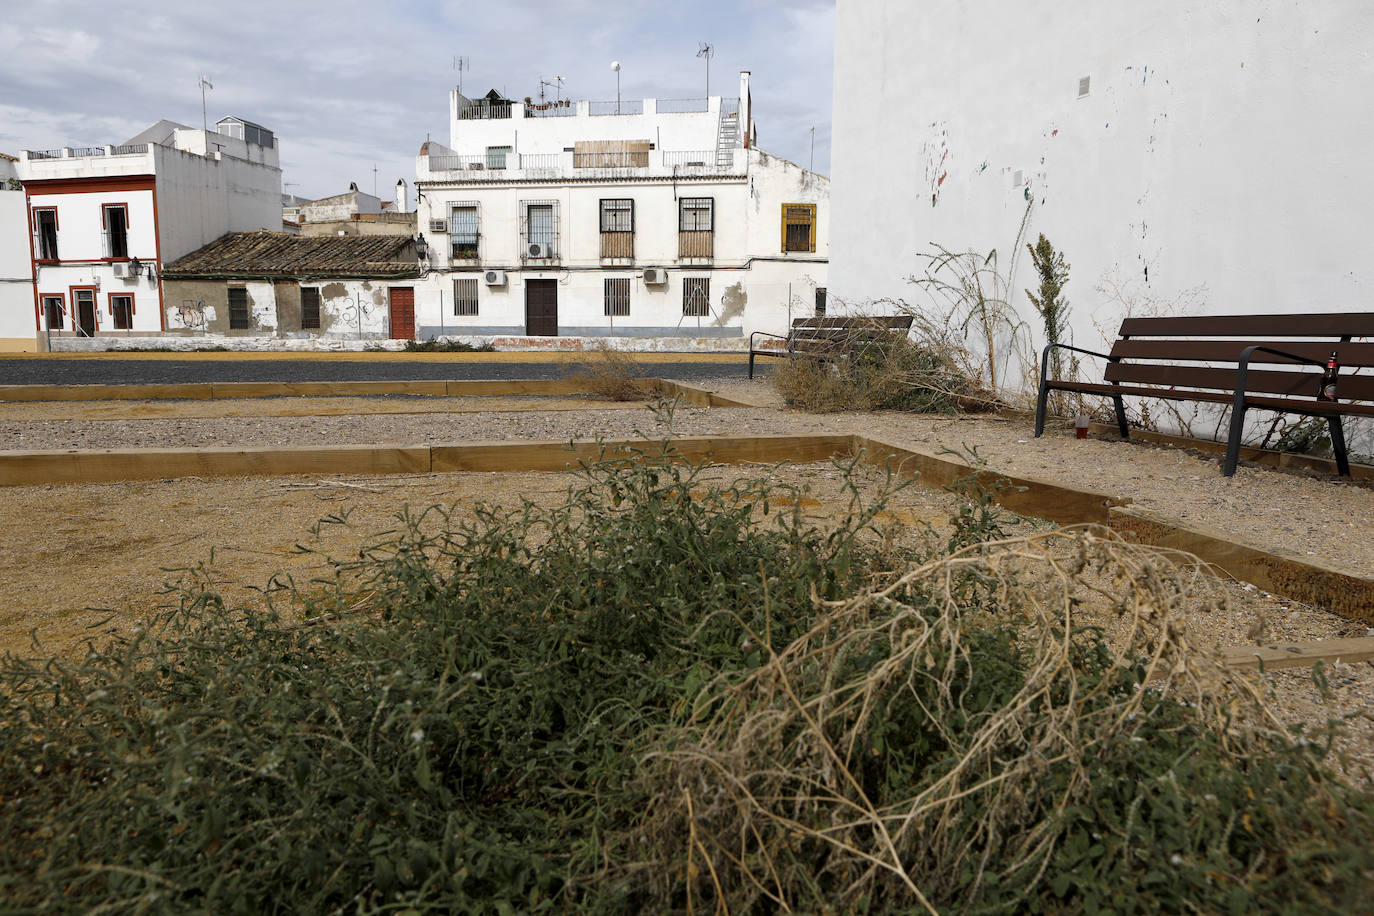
column 683, row 106
column 563, row 108
column 130, row 149
column 88, row 151
column 45, row 153
column 625, row 107
column 695, row 157
column 459, row 164
column 484, row 109
column 539, row 160
column 729, row 107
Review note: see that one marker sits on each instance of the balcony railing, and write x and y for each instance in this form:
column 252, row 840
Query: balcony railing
column 129, row 149
column 698, row 157
column 539, row 160
column 484, row 109
column 463, row 164
column 88, row 151
column 625, row 107
column 563, row 108
column 586, row 164
column 45, row 154
column 683, row 106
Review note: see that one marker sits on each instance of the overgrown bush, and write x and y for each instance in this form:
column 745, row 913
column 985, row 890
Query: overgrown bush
column 662, row 695
column 612, row 375
column 894, row 373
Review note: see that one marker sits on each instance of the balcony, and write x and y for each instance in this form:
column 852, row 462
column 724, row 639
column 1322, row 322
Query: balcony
column 583, row 165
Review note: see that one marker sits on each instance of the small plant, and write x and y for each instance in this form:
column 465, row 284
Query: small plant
column 1050, row 303
column 434, row 345
column 612, row 374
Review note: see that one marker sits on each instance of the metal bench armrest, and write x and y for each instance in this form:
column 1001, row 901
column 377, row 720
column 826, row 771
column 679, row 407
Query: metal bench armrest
column 765, row 334
column 1045, row 358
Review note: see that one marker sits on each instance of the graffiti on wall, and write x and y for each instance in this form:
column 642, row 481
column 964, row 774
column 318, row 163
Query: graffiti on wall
column 190, row 314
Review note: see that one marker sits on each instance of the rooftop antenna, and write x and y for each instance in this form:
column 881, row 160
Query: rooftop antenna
column 460, row 64
column 374, row 180
column 556, row 82
column 615, row 65
column 708, row 51
column 812, row 167
column 204, row 83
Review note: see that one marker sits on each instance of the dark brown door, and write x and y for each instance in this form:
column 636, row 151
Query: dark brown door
column 541, row 308
column 85, row 311
column 402, row 313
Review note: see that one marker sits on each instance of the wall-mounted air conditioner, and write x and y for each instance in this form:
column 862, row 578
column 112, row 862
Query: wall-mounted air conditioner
column 438, row 225
column 538, row 250
column 494, row 277
column 120, row 270
column 655, row 276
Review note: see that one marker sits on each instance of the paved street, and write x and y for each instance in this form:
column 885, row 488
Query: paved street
column 114, row 370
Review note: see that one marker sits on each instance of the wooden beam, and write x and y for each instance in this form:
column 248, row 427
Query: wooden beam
column 1294, row 655
column 26, row 468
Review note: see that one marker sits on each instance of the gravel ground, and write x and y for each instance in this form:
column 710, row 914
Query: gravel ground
column 51, row 370
column 58, row 579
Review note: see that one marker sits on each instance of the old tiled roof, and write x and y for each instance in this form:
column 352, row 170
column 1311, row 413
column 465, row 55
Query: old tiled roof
column 279, row 254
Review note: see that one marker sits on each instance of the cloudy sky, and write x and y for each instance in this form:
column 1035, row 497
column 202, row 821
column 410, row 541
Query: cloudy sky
column 348, row 85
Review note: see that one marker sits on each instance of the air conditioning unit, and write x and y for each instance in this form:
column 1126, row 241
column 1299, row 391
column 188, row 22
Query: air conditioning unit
column 120, row 270
column 538, row 250
column 494, row 277
column 655, row 276
column 438, row 225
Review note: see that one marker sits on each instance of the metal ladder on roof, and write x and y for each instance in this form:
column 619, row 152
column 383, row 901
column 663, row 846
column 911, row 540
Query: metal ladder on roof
column 727, row 139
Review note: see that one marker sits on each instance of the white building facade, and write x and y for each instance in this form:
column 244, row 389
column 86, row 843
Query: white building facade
column 103, row 220
column 638, row 218
column 1184, row 157
column 16, row 266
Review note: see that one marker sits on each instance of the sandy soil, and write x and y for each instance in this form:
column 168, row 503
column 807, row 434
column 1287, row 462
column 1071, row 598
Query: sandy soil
column 96, row 563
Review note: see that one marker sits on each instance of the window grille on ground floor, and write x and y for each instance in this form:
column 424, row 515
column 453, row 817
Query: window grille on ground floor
column 617, row 297
column 310, row 308
column 238, row 308
column 696, row 297
column 465, row 296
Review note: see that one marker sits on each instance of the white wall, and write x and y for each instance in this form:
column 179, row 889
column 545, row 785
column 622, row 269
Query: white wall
column 1222, row 148
column 201, row 198
column 749, row 275
column 529, row 135
column 16, row 270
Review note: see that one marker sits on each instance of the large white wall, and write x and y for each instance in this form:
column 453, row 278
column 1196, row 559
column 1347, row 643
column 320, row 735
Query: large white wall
column 1217, row 165
column 16, row 270
column 200, row 198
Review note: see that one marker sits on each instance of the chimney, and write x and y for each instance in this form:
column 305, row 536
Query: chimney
column 402, row 196
column 746, row 114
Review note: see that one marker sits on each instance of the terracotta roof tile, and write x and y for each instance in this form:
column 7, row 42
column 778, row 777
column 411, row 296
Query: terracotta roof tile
column 280, row 254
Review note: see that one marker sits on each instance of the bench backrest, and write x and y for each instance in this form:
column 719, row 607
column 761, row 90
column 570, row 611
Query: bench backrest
column 1150, row 350
column 855, row 322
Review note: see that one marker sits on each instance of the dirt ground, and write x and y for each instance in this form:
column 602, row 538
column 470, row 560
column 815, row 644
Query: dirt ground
column 89, row 561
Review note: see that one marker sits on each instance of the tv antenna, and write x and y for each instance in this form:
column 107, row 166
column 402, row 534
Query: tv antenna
column 556, row 82
column 460, row 64
column 204, row 83
column 707, row 50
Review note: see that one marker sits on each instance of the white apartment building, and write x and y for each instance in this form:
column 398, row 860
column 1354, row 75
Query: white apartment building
column 638, row 218
column 103, row 221
column 1184, row 157
column 16, row 267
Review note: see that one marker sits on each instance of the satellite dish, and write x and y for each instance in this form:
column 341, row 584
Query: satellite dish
column 615, row 65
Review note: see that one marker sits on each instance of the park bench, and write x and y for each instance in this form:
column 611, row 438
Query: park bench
column 829, row 337
column 1210, row 359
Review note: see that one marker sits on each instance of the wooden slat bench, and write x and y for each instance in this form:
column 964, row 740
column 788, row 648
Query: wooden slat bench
column 1217, row 353
column 829, row 337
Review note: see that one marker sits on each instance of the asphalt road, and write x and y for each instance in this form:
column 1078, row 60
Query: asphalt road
column 58, row 371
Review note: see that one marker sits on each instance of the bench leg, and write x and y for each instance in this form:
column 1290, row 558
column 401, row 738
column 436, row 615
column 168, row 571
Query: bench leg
column 1233, row 441
column 1338, row 445
column 751, row 364
column 1121, row 417
column 1040, row 401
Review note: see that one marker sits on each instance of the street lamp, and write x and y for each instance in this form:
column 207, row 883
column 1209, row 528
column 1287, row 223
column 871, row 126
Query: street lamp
column 135, row 268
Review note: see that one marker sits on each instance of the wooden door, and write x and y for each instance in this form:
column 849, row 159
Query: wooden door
column 402, row 313
column 541, row 308
column 84, row 302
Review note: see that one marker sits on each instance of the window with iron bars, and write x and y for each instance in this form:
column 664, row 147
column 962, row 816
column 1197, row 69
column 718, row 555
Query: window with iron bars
column 465, row 296
column 539, row 226
column 310, row 308
column 464, row 231
column 696, row 297
column 618, row 229
column 617, row 297
column 696, row 214
column 238, row 308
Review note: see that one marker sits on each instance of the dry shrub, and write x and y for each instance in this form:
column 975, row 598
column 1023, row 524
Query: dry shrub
column 957, row 741
column 612, row 374
column 922, row 374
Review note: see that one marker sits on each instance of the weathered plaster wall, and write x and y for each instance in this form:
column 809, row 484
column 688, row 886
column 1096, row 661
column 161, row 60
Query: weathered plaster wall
column 352, row 309
column 16, row 274
column 1216, row 163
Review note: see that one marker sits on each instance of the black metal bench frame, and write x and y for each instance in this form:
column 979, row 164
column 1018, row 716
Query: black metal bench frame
column 1136, row 366
column 829, row 337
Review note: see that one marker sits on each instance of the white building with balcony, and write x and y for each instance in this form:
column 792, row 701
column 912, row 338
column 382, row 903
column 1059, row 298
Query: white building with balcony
column 652, row 218
column 103, row 220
